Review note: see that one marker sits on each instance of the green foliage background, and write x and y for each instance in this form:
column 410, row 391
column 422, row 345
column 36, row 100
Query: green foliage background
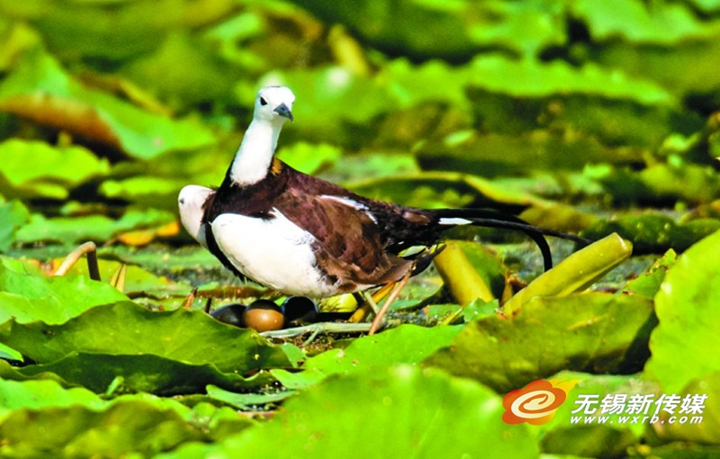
column 583, row 116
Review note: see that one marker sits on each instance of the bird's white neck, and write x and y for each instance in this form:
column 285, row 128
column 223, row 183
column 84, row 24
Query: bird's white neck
column 253, row 158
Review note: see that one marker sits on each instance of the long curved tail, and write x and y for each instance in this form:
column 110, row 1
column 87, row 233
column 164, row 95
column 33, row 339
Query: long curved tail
column 494, row 219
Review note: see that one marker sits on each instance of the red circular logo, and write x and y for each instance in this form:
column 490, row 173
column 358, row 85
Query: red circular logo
column 535, row 403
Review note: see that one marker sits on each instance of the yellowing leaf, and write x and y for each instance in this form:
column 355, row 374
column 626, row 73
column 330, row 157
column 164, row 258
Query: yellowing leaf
column 146, row 236
column 32, row 169
column 40, row 90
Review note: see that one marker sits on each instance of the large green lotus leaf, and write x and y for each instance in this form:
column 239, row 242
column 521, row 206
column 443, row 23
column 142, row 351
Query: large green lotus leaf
column 635, row 21
column 41, row 394
column 593, row 332
column 40, row 90
column 560, row 107
column 703, row 425
column 658, row 41
column 530, row 79
column 186, row 71
column 274, row 35
column 46, row 393
column 205, row 167
column 452, row 31
column 433, row 81
column 427, row 101
column 309, row 158
column 55, row 170
column 596, row 431
column 138, row 281
column 444, row 189
column 11, row 373
column 156, row 183
column 93, row 227
column 665, row 64
column 561, row 217
column 620, row 182
column 686, row 307
column 132, row 426
column 553, row 185
column 26, row 295
column 496, row 154
column 150, row 191
column 418, row 190
column 219, row 422
column 191, row 337
column 707, row 6
column 406, row 129
column 694, row 183
column 142, row 373
column 654, row 233
column 67, row 229
column 157, row 267
column 377, row 164
column 159, row 259
column 405, row 344
column 102, row 434
column 13, row 214
column 405, row 410
column 660, row 183
column 35, row 395
column 111, row 30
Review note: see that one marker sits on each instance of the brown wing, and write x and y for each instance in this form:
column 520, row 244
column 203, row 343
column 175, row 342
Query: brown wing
column 349, row 244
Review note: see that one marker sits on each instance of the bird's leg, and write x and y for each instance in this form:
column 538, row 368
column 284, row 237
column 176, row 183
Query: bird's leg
column 390, row 299
column 366, row 307
column 312, row 337
column 370, row 304
column 370, row 301
column 90, row 250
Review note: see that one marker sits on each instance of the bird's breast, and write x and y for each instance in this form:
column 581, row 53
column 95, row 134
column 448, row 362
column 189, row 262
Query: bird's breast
column 272, row 251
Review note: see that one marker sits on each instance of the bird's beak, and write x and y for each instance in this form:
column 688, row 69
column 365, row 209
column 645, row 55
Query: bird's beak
column 283, row 110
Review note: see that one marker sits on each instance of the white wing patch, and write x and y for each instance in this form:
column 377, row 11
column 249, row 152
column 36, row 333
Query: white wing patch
column 274, row 252
column 351, row 203
column 454, row 221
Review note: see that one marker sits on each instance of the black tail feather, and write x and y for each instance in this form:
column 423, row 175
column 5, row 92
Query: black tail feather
column 493, row 219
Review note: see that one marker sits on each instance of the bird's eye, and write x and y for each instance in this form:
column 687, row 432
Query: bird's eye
column 263, row 101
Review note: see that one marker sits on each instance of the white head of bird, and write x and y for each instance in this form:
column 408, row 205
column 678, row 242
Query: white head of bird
column 273, row 107
column 274, row 104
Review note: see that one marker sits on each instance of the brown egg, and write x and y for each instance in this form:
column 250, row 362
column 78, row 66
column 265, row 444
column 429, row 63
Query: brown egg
column 264, row 315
